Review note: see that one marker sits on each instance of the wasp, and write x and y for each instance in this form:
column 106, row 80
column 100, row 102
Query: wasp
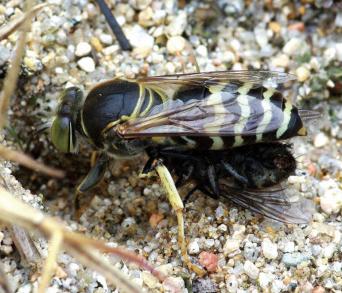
column 221, row 129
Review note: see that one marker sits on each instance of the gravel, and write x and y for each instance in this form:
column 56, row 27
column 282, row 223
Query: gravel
column 71, row 44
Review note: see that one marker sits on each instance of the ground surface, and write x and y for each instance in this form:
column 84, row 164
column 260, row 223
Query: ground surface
column 70, row 43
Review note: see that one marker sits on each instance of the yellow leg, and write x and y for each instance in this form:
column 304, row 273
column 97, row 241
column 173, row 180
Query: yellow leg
column 177, row 204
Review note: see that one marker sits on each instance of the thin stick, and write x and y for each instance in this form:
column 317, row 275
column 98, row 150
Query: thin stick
column 50, row 263
column 114, row 26
column 14, row 25
column 28, row 162
column 11, row 79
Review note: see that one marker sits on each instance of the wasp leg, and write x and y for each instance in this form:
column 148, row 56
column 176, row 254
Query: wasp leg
column 177, row 204
column 92, row 179
column 213, row 180
column 229, row 168
column 95, row 174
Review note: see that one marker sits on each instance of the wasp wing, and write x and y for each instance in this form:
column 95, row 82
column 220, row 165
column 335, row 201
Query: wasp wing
column 272, row 203
column 254, row 77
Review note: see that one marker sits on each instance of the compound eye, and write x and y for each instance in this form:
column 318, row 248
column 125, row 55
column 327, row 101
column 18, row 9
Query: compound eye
column 63, row 135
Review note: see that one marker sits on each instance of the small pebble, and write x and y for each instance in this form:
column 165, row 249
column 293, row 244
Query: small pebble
column 281, row 61
column 251, row 270
column 331, row 201
column 231, row 245
column 106, row 39
column 165, row 269
column 277, row 286
column 82, row 49
column 175, row 44
column 150, row 280
column 320, row 140
column 269, row 249
column 329, row 250
column 232, row 284
column 177, row 25
column 141, row 41
column 193, row 247
column 202, row 51
column 208, row 260
column 222, row 228
column 292, row 46
column 87, row 64
column 155, row 218
column 265, row 279
column 289, row 246
column 173, row 285
column 275, row 26
column 294, row 259
column 302, row 73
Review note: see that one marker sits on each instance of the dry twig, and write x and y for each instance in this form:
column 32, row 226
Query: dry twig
column 25, row 160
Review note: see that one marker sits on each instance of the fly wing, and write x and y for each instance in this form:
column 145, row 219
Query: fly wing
column 224, row 112
column 272, row 203
column 255, row 77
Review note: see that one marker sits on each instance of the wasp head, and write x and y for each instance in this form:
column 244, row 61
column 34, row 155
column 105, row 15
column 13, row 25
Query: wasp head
column 63, row 129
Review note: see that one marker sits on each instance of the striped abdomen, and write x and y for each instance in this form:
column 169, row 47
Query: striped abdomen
column 246, row 115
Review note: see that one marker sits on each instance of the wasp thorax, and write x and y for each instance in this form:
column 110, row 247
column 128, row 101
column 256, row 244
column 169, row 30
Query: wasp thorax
column 63, row 130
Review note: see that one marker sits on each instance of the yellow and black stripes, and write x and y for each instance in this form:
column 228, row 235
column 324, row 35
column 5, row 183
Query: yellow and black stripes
column 249, row 114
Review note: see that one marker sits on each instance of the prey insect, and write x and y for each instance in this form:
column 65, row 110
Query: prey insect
column 200, row 117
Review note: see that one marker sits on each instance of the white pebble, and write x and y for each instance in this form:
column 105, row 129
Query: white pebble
column 229, row 57
column 251, row 270
column 193, row 247
column 324, row 185
column 173, row 285
column 141, row 41
column 222, row 228
column 339, row 50
column 106, row 39
column 73, row 268
column 329, row 54
column 175, row 45
column 231, row 245
column 292, row 46
column 209, row 243
column 87, row 64
column 232, row 284
column 328, row 251
column 281, row 61
column 289, row 246
column 170, row 67
column 238, row 231
column 150, row 280
column 202, row 51
column 165, row 269
column 269, row 249
column 320, row 140
column 110, row 50
column 25, row 289
column 265, row 279
column 302, row 73
column 277, row 286
column 82, row 49
column 331, row 201
column 177, row 24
